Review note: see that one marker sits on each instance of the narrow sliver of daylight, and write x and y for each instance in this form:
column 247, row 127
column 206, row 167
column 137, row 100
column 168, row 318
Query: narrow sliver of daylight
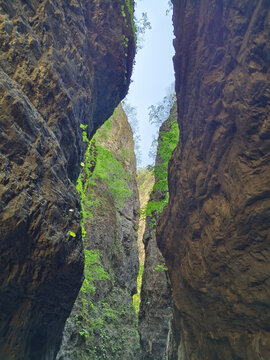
column 153, row 74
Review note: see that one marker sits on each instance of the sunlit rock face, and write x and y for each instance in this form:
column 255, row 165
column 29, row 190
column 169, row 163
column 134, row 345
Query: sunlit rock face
column 156, row 298
column 106, row 315
column 215, row 232
column 63, row 63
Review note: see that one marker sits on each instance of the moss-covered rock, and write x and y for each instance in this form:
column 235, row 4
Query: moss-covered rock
column 156, row 298
column 103, row 321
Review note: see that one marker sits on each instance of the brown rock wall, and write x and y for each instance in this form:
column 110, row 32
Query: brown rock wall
column 215, row 232
column 62, row 64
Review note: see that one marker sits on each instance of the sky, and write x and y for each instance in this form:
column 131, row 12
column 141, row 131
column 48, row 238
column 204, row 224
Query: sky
column 153, row 71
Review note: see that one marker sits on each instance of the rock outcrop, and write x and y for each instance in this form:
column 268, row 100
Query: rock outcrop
column 156, row 297
column 62, row 64
column 103, row 322
column 215, row 232
column 145, row 182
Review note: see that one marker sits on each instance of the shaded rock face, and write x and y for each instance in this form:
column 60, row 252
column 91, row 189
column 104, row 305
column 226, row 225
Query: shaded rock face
column 54, row 76
column 155, row 303
column 156, row 298
column 215, row 233
column 107, row 315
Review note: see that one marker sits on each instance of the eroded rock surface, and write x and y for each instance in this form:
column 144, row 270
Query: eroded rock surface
column 156, row 297
column 102, row 324
column 145, row 182
column 62, row 64
column 215, row 232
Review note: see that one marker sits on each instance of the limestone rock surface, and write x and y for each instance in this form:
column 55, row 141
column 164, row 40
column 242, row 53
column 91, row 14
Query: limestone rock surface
column 62, row 64
column 156, row 298
column 145, row 182
column 107, row 314
column 215, row 233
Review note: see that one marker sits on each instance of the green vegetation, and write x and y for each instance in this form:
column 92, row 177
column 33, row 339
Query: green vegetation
column 111, row 171
column 161, row 267
column 139, row 26
column 93, row 271
column 112, row 334
column 100, row 165
column 129, row 6
column 137, row 296
column 104, row 321
column 166, row 144
column 144, row 176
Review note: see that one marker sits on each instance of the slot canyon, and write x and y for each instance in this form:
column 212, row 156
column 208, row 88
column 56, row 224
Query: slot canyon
column 100, row 257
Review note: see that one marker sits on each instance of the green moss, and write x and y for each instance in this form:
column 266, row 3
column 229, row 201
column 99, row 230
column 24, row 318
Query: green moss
column 108, row 331
column 137, row 296
column 130, row 8
column 161, row 267
column 111, row 171
column 101, row 164
column 167, row 143
column 93, row 271
column 105, row 329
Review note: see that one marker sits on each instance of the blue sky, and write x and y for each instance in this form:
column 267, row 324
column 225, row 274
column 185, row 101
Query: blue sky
column 153, row 71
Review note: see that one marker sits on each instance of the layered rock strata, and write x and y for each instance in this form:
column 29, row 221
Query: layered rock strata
column 62, row 64
column 103, row 322
column 215, row 233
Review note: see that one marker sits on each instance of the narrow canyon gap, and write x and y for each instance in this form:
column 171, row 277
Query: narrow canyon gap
column 64, row 68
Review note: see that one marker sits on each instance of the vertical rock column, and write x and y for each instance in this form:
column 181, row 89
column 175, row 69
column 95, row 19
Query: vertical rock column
column 156, row 297
column 62, row 64
column 102, row 324
column 215, row 233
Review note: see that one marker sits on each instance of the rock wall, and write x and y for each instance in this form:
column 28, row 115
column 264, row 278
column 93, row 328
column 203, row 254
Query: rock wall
column 145, row 182
column 156, row 297
column 62, row 64
column 215, row 233
column 103, row 322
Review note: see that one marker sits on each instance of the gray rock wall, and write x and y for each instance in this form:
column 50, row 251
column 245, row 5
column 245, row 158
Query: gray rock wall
column 106, row 315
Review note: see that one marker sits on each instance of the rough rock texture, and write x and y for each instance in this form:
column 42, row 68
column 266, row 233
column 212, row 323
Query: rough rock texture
column 215, row 232
column 156, row 297
column 54, row 75
column 111, row 327
column 145, row 182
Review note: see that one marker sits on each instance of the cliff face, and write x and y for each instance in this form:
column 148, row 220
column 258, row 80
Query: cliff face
column 145, row 182
column 62, row 64
column 103, row 321
column 156, row 298
column 215, row 233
